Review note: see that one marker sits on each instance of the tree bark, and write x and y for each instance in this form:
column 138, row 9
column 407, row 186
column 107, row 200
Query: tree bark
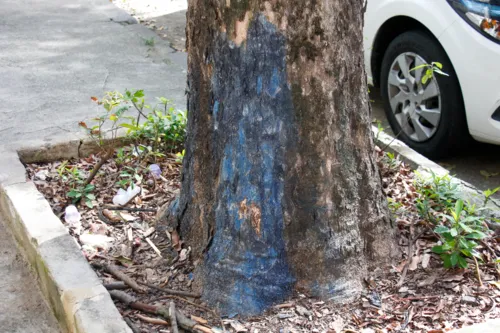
column 279, row 187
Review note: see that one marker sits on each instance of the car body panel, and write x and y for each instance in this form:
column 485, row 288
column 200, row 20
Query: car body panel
column 475, row 58
column 437, row 18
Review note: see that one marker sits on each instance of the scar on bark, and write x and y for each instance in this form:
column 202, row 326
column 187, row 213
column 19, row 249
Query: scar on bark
column 253, row 212
column 241, row 29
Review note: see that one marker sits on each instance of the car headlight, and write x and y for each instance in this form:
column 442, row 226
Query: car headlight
column 482, row 15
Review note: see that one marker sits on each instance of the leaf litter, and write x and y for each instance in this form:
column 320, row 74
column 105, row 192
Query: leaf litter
column 430, row 298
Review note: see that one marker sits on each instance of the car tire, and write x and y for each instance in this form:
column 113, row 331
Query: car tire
column 447, row 134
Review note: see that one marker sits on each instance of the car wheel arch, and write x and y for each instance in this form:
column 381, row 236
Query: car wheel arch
column 388, row 31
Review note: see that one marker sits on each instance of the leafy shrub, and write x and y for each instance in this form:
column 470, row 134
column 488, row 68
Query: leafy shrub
column 458, row 225
column 458, row 236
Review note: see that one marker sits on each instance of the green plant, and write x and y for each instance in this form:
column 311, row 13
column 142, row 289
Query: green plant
column 71, row 175
column 458, row 236
column 179, row 157
column 83, row 193
column 109, row 122
column 61, row 171
column 128, row 176
column 488, row 193
column 435, row 194
column 393, row 205
column 122, row 155
column 380, row 129
column 391, row 160
column 164, row 127
column 149, row 41
column 430, row 69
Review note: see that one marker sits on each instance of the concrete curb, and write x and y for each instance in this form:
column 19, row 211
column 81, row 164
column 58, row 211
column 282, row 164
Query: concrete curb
column 425, row 168
column 74, row 292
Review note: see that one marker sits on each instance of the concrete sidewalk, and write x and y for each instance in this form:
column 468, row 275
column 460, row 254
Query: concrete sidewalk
column 22, row 309
column 55, row 55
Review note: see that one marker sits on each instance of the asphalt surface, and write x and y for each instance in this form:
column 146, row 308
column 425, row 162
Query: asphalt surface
column 478, row 165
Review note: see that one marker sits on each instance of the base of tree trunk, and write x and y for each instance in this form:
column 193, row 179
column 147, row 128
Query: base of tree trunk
column 280, row 189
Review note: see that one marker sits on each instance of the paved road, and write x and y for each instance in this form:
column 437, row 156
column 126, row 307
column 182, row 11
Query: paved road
column 468, row 165
column 22, row 308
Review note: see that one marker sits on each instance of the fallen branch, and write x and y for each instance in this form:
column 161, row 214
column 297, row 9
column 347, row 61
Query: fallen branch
column 204, row 308
column 418, row 298
column 203, row 329
column 115, row 271
column 410, row 257
column 98, row 166
column 132, row 325
column 130, row 209
column 171, row 291
column 184, row 322
column 477, row 271
column 154, row 321
column 120, row 285
column 153, row 246
column 173, row 318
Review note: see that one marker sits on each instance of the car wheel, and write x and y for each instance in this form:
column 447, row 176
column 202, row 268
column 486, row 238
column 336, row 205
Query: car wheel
column 429, row 117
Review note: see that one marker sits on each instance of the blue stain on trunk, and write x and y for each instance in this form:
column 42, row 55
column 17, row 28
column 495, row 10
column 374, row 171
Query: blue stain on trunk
column 246, row 268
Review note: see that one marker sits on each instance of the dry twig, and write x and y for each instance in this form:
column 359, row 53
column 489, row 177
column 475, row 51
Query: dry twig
column 154, row 321
column 115, row 271
column 132, row 325
column 153, row 246
column 204, row 308
column 116, row 285
column 184, row 322
column 173, row 318
column 410, row 257
column 478, row 274
column 172, row 292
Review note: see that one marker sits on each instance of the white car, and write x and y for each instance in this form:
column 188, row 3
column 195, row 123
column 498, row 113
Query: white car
column 436, row 118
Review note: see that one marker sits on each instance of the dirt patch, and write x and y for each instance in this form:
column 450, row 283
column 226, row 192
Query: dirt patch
column 22, row 308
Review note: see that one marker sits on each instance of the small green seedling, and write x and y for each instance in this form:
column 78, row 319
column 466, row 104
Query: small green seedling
column 149, row 41
column 84, row 194
column 488, row 193
column 179, row 157
column 430, row 69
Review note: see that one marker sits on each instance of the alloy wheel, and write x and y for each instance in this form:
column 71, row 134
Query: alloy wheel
column 416, row 106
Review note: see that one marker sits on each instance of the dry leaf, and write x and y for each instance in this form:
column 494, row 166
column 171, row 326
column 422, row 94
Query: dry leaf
column 199, row 320
column 183, row 255
column 237, row 326
column 127, row 217
column 429, row 281
column 414, row 263
column 111, row 216
column 425, row 260
column 176, row 241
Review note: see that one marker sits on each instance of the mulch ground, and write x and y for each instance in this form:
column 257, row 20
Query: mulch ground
column 416, row 294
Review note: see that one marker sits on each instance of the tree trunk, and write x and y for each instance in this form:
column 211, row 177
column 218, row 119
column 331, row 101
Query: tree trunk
column 279, row 188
